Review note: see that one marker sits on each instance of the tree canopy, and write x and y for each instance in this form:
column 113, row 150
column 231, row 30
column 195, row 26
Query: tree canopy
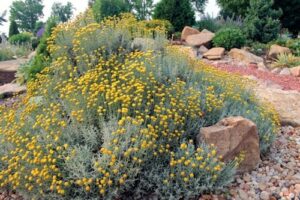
column 26, row 13
column 61, row 12
column 262, row 21
column 142, row 8
column 290, row 18
column 105, row 8
column 179, row 12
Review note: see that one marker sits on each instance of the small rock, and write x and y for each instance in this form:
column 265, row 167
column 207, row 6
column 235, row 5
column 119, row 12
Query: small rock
column 262, row 186
column 285, row 191
column 243, row 195
column 285, row 71
column 214, row 53
column 265, row 195
column 276, row 70
column 202, row 49
column 297, row 188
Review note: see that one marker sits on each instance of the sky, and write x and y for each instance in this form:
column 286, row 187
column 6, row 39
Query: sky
column 80, row 6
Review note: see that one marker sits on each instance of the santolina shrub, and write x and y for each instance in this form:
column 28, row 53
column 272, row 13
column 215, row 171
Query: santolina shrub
column 104, row 121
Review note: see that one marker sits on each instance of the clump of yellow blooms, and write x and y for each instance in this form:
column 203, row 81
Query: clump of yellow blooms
column 105, row 121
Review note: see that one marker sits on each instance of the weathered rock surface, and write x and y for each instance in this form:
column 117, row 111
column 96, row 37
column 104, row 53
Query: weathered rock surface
column 295, row 71
column 244, row 56
column 276, row 50
column 203, row 38
column 11, row 88
column 187, row 31
column 203, row 49
column 286, row 103
column 232, row 136
column 214, row 53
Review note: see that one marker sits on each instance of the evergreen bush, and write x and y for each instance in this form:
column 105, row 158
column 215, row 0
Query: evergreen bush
column 229, row 38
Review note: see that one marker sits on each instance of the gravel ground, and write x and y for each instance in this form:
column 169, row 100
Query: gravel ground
column 287, row 82
column 278, row 176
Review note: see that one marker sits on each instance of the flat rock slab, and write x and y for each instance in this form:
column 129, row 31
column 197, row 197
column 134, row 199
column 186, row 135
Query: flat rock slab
column 285, row 102
column 11, row 65
column 10, row 89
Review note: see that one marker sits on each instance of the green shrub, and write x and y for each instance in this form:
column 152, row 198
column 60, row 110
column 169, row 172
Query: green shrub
column 262, row 22
column 294, row 45
column 20, row 39
column 229, row 38
column 286, row 60
column 259, row 48
column 6, row 53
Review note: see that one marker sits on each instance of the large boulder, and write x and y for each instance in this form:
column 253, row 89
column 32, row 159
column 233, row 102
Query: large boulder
column 203, row 38
column 233, row 136
column 244, row 56
column 187, row 31
column 295, row 71
column 286, row 103
column 214, row 53
column 276, row 50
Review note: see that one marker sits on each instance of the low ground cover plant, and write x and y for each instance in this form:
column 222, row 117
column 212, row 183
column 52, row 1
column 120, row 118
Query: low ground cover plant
column 286, row 60
column 106, row 121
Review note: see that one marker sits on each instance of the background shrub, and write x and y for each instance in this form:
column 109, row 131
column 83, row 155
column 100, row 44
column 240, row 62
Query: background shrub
column 294, row 45
column 229, row 38
column 259, row 48
column 208, row 22
column 215, row 24
column 6, row 53
column 20, row 39
column 262, row 22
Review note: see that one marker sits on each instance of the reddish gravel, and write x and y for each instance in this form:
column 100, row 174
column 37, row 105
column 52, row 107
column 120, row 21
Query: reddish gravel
column 287, row 82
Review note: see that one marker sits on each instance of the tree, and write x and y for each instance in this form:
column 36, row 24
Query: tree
column 290, row 18
column 2, row 18
column 26, row 13
column 13, row 28
column 142, row 8
column 199, row 5
column 62, row 12
column 233, row 8
column 262, row 21
column 179, row 12
column 105, row 8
